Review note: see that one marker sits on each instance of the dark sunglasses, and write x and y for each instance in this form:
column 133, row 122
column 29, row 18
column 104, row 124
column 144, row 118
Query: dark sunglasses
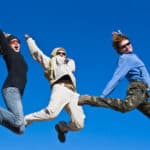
column 61, row 53
column 125, row 45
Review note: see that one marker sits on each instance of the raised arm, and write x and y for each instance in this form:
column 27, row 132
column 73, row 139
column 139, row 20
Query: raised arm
column 36, row 53
column 4, row 47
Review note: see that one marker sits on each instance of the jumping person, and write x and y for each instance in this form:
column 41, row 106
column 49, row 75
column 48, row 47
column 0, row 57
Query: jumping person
column 131, row 67
column 13, row 87
column 59, row 71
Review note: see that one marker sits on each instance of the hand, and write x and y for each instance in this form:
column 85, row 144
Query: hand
column 60, row 60
column 26, row 36
column 6, row 34
column 66, row 60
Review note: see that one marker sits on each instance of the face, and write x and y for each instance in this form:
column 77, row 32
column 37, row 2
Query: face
column 61, row 53
column 15, row 45
column 125, row 46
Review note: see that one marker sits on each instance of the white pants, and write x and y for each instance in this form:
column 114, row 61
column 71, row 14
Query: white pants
column 61, row 97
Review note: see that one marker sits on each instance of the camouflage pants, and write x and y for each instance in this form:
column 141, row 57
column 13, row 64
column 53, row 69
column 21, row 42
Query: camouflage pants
column 136, row 97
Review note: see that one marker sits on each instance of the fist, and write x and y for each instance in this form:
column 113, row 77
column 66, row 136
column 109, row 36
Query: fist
column 26, row 36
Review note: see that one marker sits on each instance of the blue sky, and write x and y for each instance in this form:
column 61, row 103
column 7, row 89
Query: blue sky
column 83, row 28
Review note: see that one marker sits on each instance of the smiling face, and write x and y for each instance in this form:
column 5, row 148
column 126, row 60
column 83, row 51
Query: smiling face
column 125, row 46
column 15, row 45
column 121, row 43
column 61, row 53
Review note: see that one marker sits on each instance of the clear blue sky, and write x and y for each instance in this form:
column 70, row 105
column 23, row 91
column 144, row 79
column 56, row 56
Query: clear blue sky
column 84, row 28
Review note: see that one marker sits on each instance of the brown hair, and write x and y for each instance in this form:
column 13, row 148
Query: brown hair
column 116, row 39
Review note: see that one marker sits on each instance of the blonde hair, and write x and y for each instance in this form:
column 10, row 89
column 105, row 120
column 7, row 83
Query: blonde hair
column 117, row 37
column 55, row 50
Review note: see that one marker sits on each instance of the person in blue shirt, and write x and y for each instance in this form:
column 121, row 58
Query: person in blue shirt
column 131, row 67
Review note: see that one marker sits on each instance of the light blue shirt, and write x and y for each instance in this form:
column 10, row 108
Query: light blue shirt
column 131, row 67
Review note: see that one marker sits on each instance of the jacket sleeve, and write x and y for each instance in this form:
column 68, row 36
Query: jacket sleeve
column 71, row 65
column 37, row 54
column 4, row 44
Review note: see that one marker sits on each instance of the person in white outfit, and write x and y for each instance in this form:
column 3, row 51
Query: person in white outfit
column 59, row 71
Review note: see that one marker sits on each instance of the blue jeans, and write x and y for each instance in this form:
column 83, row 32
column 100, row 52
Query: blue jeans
column 12, row 117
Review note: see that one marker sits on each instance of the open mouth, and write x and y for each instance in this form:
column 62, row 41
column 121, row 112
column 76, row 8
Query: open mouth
column 16, row 47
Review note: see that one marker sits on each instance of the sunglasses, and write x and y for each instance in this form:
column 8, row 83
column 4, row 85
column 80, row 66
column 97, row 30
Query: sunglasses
column 61, row 53
column 125, row 45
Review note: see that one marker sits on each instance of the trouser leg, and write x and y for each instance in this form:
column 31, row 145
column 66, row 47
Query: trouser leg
column 145, row 108
column 91, row 100
column 76, row 115
column 56, row 104
column 13, row 117
column 136, row 94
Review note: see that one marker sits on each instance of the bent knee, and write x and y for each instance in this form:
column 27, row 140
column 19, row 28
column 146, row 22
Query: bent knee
column 79, row 124
column 51, row 114
column 19, row 129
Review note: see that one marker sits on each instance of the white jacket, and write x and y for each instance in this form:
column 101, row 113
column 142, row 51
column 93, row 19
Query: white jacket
column 61, row 67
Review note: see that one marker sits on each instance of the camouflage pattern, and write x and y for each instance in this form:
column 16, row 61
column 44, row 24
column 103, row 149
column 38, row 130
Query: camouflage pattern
column 145, row 108
column 136, row 98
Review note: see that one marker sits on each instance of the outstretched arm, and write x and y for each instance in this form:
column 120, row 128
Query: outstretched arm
column 36, row 53
column 121, row 71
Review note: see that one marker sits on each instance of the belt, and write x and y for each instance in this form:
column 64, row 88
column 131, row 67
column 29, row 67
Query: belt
column 66, row 83
column 140, row 81
column 136, row 80
column 69, row 86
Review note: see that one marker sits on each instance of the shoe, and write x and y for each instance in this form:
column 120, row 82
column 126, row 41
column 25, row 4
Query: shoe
column 27, row 122
column 84, row 99
column 61, row 134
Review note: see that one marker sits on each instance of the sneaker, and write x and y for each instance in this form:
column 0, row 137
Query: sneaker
column 61, row 134
column 27, row 122
column 84, row 99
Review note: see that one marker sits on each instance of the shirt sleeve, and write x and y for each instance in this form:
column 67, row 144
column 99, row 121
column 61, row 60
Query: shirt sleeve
column 4, row 44
column 121, row 71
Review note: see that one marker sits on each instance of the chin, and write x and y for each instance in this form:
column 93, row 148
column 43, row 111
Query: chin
column 16, row 50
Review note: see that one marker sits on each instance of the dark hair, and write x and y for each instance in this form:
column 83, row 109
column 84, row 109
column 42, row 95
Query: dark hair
column 11, row 37
column 116, row 39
